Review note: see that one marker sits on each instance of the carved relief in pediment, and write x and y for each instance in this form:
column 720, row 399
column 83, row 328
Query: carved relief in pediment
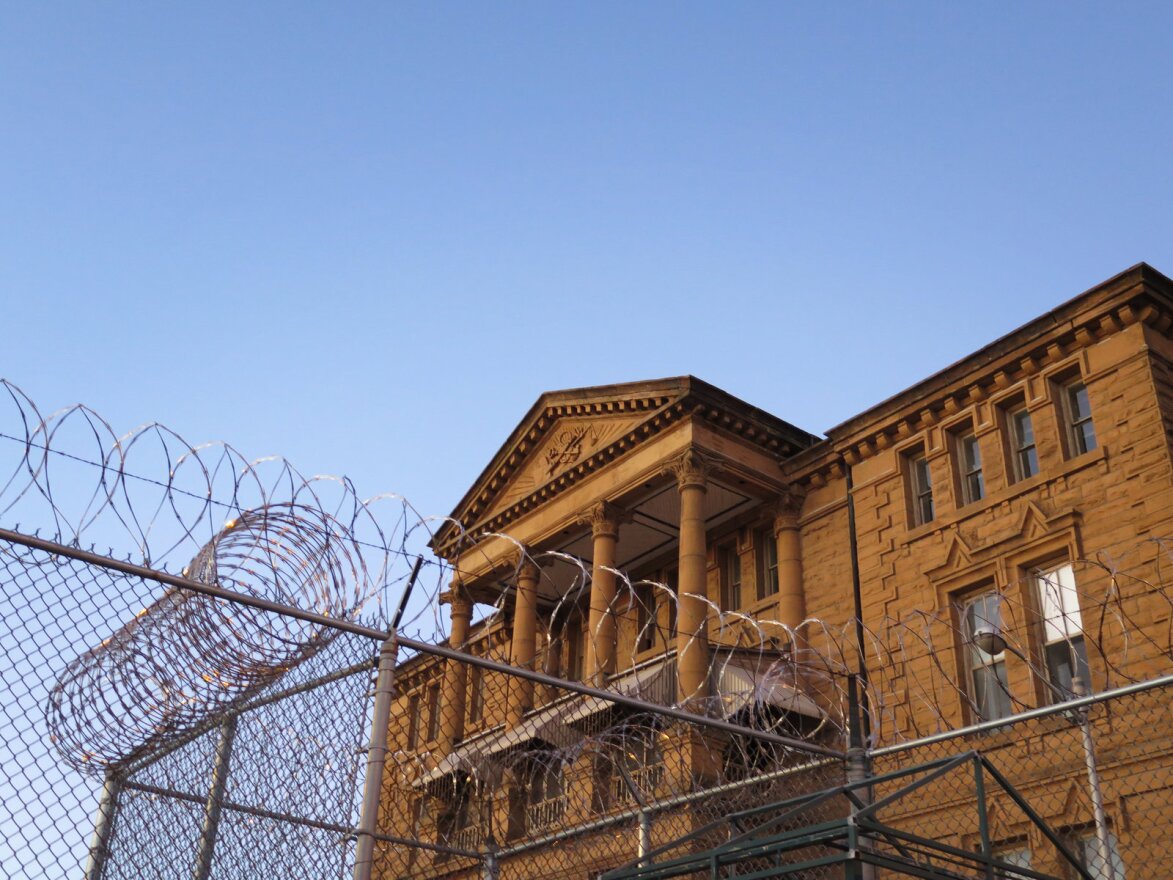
column 567, row 443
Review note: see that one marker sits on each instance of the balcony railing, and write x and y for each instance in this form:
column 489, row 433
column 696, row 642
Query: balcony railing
column 647, row 779
column 470, row 837
column 545, row 814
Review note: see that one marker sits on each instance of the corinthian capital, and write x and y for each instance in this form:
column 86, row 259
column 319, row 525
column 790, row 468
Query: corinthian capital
column 604, row 519
column 525, row 565
column 457, row 596
column 691, row 469
column 789, row 506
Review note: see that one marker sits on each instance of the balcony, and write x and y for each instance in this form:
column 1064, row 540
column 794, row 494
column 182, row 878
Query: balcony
column 544, row 815
column 646, row 779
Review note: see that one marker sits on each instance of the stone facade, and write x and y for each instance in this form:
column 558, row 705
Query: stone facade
column 1037, row 470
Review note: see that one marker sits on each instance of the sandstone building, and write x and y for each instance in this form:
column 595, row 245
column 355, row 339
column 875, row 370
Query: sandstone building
column 666, row 540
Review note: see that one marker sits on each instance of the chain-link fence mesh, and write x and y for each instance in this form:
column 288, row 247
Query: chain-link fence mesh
column 1045, row 757
column 220, row 722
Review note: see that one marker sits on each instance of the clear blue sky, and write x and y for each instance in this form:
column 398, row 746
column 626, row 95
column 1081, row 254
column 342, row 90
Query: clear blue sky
column 367, row 236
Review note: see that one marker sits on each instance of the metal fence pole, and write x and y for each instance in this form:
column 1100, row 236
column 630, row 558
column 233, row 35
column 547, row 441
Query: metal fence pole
column 1093, row 780
column 364, row 855
column 104, row 826
column 645, row 836
column 215, row 800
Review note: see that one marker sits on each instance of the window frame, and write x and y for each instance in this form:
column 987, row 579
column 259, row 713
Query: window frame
column 413, row 721
column 993, row 668
column 766, row 562
column 918, row 474
column 729, row 567
column 969, row 469
column 1076, row 441
column 476, row 695
column 575, row 649
column 1060, row 629
column 1016, row 445
column 646, row 616
column 1077, row 839
column 435, row 708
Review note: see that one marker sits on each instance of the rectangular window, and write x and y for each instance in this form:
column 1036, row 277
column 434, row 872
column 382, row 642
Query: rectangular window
column 920, row 484
column 413, row 722
column 672, row 580
column 1024, row 456
column 1063, row 645
column 1016, row 853
column 1077, row 415
column 433, row 713
column 1084, row 844
column 645, row 616
column 989, row 690
column 476, row 695
column 766, row 549
column 574, row 650
column 729, row 562
column 969, row 462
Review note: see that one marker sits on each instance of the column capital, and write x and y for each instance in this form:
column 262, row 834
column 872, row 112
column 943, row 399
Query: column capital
column 788, row 507
column 604, row 519
column 457, row 596
column 691, row 469
column 524, row 564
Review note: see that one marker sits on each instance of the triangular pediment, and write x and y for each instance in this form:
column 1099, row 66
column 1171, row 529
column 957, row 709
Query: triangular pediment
column 567, row 435
column 958, row 554
column 568, row 443
column 1033, row 523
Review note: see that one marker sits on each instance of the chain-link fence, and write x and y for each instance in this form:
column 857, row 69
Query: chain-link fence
column 1096, row 772
column 265, row 711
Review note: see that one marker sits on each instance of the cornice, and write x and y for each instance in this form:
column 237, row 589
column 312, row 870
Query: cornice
column 1140, row 295
column 673, row 401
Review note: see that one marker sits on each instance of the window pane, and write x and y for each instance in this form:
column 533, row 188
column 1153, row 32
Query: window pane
column 1085, row 436
column 1080, row 407
column 1060, row 657
column 1079, row 419
column 972, row 484
column 1059, row 603
column 922, row 490
column 991, row 692
column 1026, row 460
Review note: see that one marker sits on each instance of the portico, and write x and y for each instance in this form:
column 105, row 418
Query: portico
column 634, row 479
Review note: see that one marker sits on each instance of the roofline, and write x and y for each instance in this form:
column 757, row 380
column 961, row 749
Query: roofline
column 681, row 387
column 1138, row 274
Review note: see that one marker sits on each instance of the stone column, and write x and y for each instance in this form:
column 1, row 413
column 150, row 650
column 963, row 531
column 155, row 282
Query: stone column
column 791, row 598
column 455, row 674
column 521, row 649
column 604, row 519
column 692, row 641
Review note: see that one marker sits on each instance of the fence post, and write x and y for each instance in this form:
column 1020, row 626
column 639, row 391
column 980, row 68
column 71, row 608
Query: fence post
column 859, row 769
column 104, row 826
column 215, row 798
column 364, row 854
column 1103, row 847
column 645, row 837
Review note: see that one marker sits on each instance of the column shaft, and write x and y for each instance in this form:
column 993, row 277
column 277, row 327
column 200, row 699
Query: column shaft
column 791, row 598
column 601, row 647
column 521, row 649
column 692, row 646
column 455, row 674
